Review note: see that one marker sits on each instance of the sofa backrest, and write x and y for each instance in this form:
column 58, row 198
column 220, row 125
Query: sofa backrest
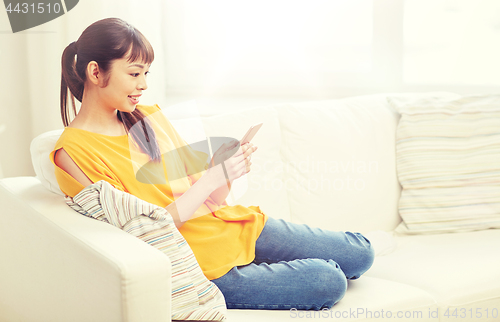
column 340, row 164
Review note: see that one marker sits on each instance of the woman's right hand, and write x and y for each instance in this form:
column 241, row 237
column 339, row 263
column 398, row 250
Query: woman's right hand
column 235, row 159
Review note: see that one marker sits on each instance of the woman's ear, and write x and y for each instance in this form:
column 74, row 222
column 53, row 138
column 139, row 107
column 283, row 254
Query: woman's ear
column 93, row 72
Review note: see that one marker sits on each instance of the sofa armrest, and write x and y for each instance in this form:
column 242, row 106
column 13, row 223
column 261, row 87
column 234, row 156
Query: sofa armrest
column 57, row 265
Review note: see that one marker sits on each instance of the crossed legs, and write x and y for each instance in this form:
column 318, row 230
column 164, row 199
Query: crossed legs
column 297, row 266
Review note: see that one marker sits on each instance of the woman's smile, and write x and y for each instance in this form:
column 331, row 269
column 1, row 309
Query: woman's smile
column 134, row 99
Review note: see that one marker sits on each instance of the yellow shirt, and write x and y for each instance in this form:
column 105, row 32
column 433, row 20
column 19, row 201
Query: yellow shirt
column 221, row 237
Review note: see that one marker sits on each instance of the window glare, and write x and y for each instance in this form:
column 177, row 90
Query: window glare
column 278, row 35
column 452, row 42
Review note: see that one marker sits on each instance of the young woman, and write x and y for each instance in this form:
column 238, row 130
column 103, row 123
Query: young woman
column 256, row 261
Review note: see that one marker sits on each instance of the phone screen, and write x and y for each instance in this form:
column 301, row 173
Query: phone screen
column 251, row 133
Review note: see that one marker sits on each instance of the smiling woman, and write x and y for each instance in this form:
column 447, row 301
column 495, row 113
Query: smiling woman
column 137, row 67
column 237, row 247
column 108, row 77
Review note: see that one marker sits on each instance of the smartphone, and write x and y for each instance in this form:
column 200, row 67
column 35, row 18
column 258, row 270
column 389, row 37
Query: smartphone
column 250, row 133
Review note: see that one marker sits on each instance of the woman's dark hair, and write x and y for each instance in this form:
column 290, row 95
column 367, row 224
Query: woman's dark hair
column 104, row 41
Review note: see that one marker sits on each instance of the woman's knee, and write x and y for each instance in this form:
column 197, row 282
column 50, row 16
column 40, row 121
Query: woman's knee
column 364, row 256
column 328, row 283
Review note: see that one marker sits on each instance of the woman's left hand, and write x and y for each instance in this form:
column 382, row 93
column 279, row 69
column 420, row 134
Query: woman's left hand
column 228, row 151
column 248, row 150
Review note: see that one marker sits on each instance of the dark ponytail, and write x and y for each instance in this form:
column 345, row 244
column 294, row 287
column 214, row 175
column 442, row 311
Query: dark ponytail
column 103, row 42
column 71, row 80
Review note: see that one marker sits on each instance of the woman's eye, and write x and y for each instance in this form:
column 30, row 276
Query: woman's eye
column 137, row 74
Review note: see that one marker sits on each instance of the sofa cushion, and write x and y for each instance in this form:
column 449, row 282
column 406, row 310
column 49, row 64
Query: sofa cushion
column 458, row 270
column 448, row 162
column 366, row 299
column 339, row 163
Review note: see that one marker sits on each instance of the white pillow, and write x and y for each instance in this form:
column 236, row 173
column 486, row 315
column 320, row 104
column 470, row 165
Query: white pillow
column 448, row 162
column 40, row 149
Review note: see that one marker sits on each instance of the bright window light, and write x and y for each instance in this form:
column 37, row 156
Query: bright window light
column 271, row 37
column 452, row 42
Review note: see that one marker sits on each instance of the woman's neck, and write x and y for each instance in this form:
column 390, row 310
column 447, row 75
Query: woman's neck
column 97, row 118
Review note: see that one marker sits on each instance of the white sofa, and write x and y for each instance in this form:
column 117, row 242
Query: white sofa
column 330, row 164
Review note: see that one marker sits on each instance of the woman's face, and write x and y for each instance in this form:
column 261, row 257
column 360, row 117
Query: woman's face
column 126, row 82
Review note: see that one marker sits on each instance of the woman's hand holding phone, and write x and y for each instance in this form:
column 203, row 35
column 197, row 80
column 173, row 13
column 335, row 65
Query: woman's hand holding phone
column 249, row 148
column 236, row 156
column 231, row 158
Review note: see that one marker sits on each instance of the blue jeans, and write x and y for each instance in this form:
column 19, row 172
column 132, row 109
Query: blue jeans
column 296, row 266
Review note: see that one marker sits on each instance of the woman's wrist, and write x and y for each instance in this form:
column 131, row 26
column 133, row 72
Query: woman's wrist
column 216, row 177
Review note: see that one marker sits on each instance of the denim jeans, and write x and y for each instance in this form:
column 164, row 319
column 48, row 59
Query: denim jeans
column 296, row 266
